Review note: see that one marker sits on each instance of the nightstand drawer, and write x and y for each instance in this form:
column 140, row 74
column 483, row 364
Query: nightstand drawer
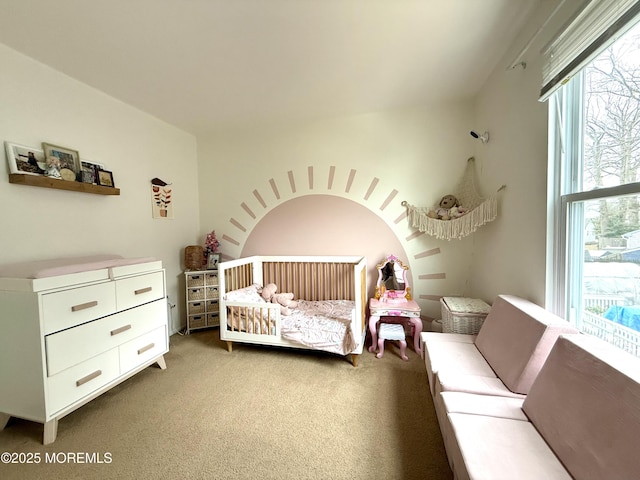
column 213, row 320
column 134, row 291
column 197, row 321
column 69, row 308
column 76, row 382
column 143, row 349
column 75, row 345
column 194, row 308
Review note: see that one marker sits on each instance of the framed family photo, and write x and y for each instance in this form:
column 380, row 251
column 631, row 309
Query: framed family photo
column 69, row 159
column 23, row 159
column 89, row 173
column 104, row 178
column 212, row 261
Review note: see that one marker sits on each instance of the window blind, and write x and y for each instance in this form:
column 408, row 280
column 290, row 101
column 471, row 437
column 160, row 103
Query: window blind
column 593, row 29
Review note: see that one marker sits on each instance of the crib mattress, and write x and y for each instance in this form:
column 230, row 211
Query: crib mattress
column 321, row 325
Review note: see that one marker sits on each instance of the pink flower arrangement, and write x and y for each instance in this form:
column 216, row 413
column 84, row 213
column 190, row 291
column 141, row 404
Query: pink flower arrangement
column 211, row 243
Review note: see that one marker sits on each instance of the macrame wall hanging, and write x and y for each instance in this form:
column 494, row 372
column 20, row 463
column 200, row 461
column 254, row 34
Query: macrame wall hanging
column 479, row 210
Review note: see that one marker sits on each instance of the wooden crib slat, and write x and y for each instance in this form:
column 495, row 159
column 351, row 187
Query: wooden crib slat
column 309, row 280
column 232, row 314
column 260, row 322
column 333, row 281
column 304, row 279
column 268, row 322
column 256, row 321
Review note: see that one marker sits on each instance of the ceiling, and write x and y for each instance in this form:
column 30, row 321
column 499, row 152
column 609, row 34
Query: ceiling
column 208, row 64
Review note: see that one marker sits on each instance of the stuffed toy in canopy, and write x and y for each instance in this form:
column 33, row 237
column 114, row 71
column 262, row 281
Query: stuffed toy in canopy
column 285, row 300
column 443, row 212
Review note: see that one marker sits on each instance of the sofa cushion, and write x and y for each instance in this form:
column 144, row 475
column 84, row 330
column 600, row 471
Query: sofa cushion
column 452, row 381
column 492, row 406
column 461, row 357
column 516, row 338
column 458, row 402
column 586, row 404
column 493, row 448
column 447, row 337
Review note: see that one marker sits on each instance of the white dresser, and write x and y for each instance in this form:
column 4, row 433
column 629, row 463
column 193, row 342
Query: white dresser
column 70, row 337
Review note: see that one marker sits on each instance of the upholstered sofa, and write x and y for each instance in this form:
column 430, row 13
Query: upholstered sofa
column 505, row 356
column 576, row 416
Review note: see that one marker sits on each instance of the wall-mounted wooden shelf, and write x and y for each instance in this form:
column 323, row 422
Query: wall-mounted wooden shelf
column 48, row 182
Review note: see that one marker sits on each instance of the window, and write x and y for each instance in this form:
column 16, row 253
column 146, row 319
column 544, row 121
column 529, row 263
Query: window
column 595, row 195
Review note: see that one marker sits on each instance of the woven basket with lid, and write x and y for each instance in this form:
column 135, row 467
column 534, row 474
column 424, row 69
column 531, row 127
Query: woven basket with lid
column 193, row 257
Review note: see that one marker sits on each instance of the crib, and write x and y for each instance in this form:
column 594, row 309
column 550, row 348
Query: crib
column 312, row 280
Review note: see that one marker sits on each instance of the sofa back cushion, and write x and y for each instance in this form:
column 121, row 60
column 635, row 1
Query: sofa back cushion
column 516, row 338
column 586, row 404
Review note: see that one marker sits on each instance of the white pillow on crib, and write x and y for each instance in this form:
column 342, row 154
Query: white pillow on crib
column 248, row 294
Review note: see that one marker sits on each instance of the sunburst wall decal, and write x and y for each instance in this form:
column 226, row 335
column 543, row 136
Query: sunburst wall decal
column 265, row 199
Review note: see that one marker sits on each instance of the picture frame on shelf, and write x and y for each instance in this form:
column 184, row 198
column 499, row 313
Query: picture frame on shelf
column 89, row 172
column 24, row 159
column 68, row 158
column 212, row 261
column 104, row 178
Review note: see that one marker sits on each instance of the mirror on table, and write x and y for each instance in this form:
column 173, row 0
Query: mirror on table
column 392, row 280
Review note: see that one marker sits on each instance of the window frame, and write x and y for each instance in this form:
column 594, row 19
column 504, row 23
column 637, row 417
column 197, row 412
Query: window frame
column 565, row 255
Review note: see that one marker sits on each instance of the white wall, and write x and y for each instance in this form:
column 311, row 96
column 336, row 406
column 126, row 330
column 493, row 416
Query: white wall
column 419, row 153
column 40, row 104
column 509, row 254
column 225, row 180
column 416, row 155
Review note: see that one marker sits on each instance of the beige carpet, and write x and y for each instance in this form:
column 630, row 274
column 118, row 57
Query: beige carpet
column 256, row 413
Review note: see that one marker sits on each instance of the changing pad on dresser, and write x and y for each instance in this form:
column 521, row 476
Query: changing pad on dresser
column 43, row 274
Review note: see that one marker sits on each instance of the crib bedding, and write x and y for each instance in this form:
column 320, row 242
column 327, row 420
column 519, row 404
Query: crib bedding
column 320, row 324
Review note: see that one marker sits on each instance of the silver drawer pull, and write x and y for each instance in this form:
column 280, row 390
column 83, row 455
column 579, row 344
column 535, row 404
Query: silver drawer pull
column 84, row 306
column 88, row 378
column 143, row 290
column 144, row 349
column 124, row 328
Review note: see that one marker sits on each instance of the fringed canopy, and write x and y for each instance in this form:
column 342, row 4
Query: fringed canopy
column 480, row 210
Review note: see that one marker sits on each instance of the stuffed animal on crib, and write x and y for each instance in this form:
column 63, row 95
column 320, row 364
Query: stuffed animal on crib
column 443, row 211
column 285, row 300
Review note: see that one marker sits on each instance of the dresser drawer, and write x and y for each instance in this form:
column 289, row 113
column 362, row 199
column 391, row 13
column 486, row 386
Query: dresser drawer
column 76, row 382
column 75, row 345
column 142, row 349
column 72, row 307
column 134, row 291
